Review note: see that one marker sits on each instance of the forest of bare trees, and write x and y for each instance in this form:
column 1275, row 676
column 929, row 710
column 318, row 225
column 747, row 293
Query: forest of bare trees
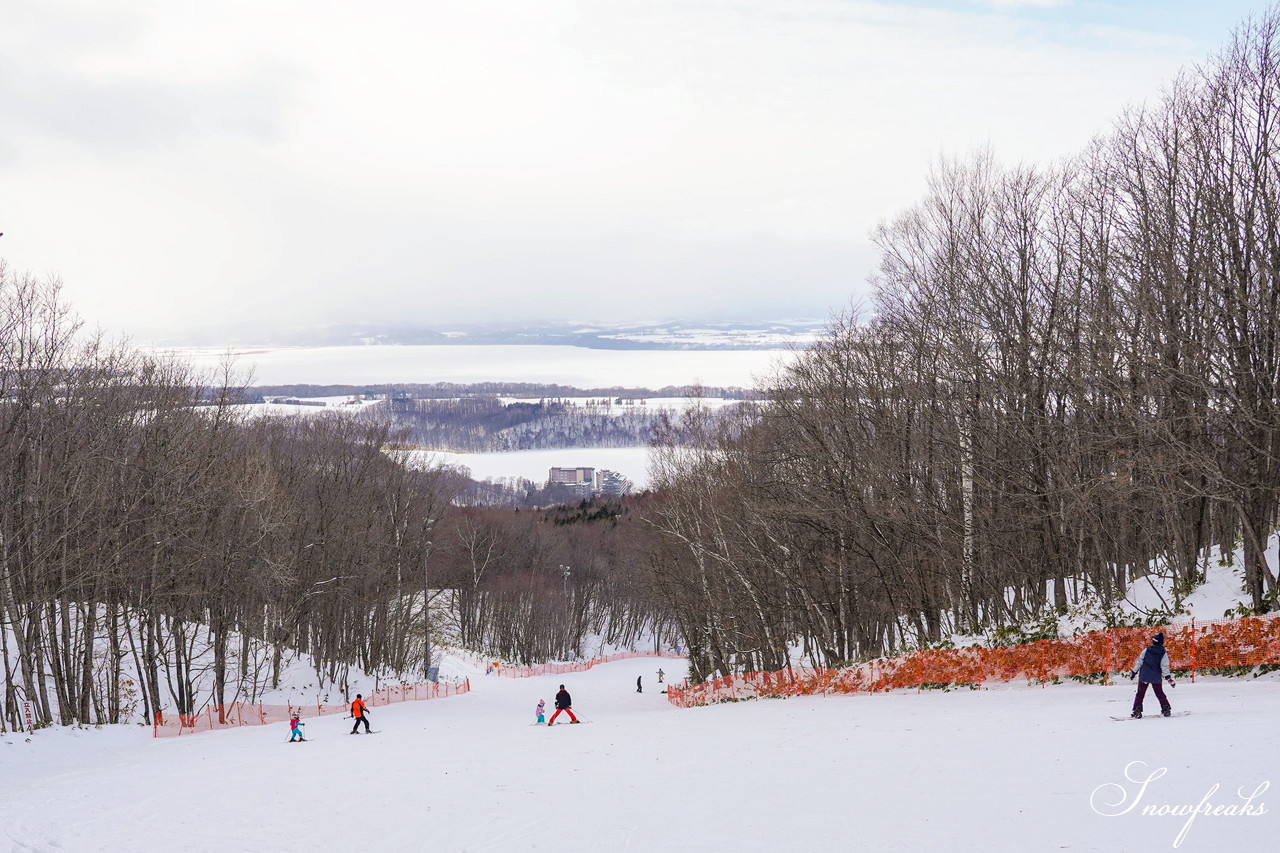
column 161, row 549
column 152, row 538
column 1069, row 377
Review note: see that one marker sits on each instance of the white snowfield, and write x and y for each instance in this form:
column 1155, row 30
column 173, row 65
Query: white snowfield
column 1012, row 768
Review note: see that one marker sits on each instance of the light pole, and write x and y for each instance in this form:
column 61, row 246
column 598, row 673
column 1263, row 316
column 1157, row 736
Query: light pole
column 426, row 615
column 565, row 571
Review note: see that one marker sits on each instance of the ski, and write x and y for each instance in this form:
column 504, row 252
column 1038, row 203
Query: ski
column 1155, row 716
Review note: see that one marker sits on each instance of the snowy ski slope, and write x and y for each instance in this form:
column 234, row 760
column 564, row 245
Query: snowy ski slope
column 1013, row 768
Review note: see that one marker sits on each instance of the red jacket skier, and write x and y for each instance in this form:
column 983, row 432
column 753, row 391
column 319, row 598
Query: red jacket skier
column 361, row 712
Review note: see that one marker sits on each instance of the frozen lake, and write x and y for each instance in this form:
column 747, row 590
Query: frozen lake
column 562, row 365
column 630, row 462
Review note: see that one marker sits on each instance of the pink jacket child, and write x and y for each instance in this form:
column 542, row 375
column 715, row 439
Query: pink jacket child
column 295, row 725
column 542, row 711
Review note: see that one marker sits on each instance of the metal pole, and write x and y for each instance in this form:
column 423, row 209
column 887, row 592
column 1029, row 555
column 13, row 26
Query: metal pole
column 426, row 617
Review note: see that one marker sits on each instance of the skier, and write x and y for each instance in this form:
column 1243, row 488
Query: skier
column 295, row 728
column 660, row 674
column 638, row 688
column 563, row 703
column 542, row 711
column 1152, row 665
column 360, row 711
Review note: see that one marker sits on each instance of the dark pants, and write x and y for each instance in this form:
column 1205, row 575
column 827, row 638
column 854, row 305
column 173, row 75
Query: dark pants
column 1142, row 691
column 360, row 720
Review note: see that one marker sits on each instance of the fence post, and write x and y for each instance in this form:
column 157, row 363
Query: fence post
column 1193, row 649
column 1042, row 672
column 920, row 671
column 1106, row 663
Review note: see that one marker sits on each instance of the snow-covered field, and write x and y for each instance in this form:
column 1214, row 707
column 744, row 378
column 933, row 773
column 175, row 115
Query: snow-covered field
column 575, row 366
column 1013, row 768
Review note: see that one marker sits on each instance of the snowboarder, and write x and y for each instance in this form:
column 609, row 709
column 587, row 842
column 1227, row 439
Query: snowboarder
column 541, row 711
column 295, row 728
column 639, row 689
column 563, row 703
column 660, row 674
column 360, row 711
column 1152, row 665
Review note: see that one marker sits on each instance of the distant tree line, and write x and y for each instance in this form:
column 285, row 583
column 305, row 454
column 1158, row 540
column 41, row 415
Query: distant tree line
column 1071, row 374
column 475, row 424
column 515, row 492
column 512, row 597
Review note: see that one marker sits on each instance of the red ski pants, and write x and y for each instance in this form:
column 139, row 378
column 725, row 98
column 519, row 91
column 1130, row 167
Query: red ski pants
column 558, row 712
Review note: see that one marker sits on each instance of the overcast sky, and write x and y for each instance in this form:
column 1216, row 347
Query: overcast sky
column 188, row 165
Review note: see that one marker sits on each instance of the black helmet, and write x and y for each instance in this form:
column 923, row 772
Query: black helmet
column 1158, row 639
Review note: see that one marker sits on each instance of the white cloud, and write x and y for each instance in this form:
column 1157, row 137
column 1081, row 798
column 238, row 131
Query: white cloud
column 184, row 163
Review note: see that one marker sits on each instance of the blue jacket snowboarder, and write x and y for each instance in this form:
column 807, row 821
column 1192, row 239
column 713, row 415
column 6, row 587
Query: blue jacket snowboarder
column 1151, row 666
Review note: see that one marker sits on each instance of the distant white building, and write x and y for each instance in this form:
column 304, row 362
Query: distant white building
column 584, row 482
column 581, row 481
column 611, row 483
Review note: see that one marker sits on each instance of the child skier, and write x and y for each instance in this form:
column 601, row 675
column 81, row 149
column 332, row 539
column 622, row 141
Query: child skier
column 1152, row 665
column 295, row 728
column 541, row 711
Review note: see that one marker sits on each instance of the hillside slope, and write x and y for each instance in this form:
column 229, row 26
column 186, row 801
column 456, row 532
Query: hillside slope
column 1011, row 768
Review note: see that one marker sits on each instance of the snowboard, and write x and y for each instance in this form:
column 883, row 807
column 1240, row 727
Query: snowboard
column 1155, row 716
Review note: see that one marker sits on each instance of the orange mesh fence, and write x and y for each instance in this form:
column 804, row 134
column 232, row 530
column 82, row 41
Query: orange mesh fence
column 576, row 666
column 240, row 714
column 1250, row 641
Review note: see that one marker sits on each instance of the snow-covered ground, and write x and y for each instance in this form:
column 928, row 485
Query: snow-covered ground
column 565, row 365
column 1012, row 768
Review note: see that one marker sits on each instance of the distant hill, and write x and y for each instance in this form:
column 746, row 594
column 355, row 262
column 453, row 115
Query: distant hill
column 777, row 334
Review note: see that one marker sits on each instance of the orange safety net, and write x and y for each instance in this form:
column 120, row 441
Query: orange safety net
column 1251, row 641
column 240, row 714
column 576, row 666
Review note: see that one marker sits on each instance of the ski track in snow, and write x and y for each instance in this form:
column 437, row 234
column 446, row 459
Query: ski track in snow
column 1010, row 768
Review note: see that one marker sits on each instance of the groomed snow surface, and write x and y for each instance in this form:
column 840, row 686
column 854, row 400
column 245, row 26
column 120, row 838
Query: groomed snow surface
column 1009, row 768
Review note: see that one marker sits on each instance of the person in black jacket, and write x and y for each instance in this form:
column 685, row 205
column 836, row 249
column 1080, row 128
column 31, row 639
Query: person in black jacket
column 1149, row 668
column 563, row 703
